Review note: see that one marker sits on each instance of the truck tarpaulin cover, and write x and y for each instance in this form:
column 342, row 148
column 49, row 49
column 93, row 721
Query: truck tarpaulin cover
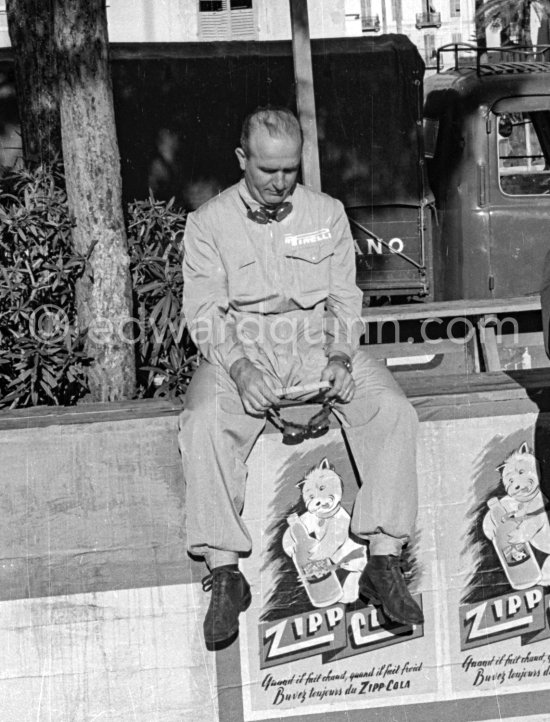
column 179, row 110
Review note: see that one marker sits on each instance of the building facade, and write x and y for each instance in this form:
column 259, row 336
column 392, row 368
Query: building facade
column 428, row 23
column 172, row 21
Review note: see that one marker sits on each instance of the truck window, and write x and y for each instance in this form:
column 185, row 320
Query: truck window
column 524, row 152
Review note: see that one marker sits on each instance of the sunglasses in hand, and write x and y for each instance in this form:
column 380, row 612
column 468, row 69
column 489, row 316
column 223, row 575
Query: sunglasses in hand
column 294, row 432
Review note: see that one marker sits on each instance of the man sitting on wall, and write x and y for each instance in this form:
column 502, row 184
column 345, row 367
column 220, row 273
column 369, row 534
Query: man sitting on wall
column 271, row 301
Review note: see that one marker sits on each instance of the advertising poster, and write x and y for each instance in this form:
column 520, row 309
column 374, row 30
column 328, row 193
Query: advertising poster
column 497, row 571
column 479, row 566
column 308, row 641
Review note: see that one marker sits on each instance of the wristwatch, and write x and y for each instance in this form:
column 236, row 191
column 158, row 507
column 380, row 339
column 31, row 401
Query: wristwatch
column 341, row 359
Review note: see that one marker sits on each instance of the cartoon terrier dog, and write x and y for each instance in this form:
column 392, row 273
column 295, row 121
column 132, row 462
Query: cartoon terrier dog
column 525, row 503
column 327, row 522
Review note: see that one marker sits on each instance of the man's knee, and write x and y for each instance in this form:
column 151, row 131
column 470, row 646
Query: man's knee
column 210, row 394
column 388, row 410
column 200, row 404
column 202, row 389
column 190, row 418
column 216, row 414
column 200, row 407
column 398, row 412
column 395, row 403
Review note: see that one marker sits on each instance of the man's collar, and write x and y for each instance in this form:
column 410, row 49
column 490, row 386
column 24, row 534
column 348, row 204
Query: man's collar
column 246, row 195
column 251, row 202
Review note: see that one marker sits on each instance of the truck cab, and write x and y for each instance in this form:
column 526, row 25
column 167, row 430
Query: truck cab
column 487, row 142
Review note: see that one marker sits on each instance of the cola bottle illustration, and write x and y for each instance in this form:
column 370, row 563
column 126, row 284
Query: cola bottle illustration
column 517, row 559
column 319, row 578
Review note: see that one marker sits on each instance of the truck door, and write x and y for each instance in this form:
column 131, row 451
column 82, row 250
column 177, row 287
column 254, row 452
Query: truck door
column 519, row 194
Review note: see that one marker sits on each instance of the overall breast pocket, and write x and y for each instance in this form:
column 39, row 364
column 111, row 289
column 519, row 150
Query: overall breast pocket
column 245, row 282
column 309, row 273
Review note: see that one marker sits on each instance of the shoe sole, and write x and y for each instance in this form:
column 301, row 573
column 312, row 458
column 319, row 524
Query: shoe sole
column 218, row 640
column 371, row 596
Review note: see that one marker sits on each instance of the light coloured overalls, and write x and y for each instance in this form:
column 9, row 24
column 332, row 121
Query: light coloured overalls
column 283, row 295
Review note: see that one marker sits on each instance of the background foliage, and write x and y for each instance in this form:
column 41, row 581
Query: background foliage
column 41, row 347
column 40, row 362
column 166, row 354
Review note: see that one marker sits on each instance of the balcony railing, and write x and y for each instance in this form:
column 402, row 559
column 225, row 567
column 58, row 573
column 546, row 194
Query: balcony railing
column 370, row 23
column 428, row 20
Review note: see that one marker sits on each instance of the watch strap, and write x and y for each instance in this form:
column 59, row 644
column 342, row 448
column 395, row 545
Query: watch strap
column 341, row 359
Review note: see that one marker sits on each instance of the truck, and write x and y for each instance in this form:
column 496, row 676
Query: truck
column 487, row 134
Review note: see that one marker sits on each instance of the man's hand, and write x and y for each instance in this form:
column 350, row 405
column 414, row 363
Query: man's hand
column 255, row 389
column 341, row 381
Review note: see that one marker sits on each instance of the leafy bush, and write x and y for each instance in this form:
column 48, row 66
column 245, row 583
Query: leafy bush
column 42, row 357
column 167, row 356
column 41, row 353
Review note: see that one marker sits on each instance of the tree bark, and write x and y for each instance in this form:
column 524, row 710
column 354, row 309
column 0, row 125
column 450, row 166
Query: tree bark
column 94, row 191
column 31, row 30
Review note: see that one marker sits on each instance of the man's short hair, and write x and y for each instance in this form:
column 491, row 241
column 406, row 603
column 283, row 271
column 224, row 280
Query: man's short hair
column 277, row 121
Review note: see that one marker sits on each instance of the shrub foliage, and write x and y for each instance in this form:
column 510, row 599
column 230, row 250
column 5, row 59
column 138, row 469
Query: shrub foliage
column 41, row 352
column 166, row 354
column 42, row 357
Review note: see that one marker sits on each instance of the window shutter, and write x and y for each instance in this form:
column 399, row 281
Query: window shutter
column 224, row 23
column 242, row 25
column 214, row 25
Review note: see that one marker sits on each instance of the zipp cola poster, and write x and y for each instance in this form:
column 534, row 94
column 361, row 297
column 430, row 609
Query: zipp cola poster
column 309, row 641
column 479, row 566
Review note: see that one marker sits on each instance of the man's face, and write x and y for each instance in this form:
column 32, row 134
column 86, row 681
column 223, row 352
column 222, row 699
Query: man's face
column 271, row 168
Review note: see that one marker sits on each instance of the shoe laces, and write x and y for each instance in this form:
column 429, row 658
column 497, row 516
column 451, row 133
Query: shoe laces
column 402, row 565
column 208, row 581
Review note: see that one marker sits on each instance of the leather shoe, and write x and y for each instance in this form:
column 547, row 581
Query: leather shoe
column 382, row 583
column 230, row 596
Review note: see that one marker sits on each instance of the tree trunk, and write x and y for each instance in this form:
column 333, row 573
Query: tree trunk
column 31, row 29
column 94, row 191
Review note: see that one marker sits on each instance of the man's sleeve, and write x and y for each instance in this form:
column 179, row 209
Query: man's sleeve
column 343, row 324
column 205, row 297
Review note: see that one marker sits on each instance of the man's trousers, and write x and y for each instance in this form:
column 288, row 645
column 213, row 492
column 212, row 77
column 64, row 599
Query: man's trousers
column 217, row 435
